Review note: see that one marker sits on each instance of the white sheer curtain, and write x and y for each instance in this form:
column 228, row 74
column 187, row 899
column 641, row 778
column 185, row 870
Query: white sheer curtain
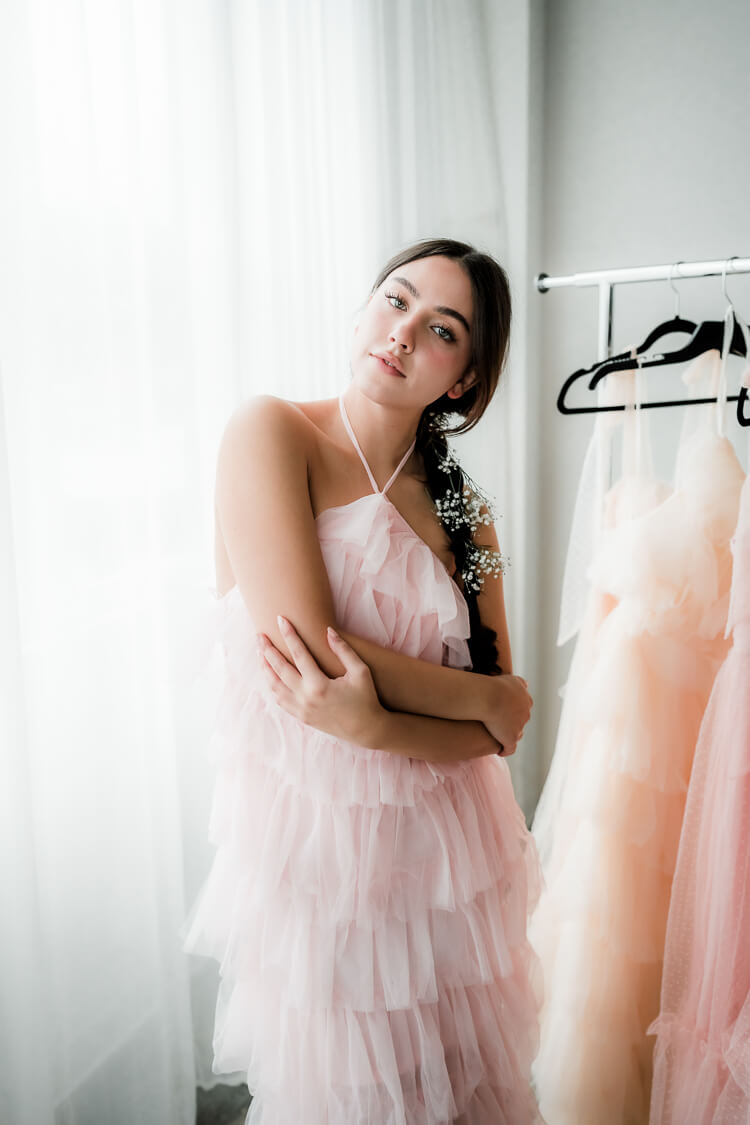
column 372, row 124
column 195, row 200
column 118, row 363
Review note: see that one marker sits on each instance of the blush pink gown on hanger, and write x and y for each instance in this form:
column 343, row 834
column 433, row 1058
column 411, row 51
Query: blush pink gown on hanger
column 702, row 1055
column 368, row 910
column 600, row 926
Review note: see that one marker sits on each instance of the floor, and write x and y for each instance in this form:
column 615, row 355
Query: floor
column 223, row 1105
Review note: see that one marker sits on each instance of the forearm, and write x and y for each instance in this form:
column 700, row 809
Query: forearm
column 406, row 683
column 430, row 739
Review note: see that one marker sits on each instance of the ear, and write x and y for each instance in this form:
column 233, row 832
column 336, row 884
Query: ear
column 468, row 379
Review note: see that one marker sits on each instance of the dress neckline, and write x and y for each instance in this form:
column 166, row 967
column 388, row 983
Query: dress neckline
column 363, row 459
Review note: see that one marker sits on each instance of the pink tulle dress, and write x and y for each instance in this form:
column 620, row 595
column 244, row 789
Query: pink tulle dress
column 368, row 910
column 662, row 577
column 702, row 1056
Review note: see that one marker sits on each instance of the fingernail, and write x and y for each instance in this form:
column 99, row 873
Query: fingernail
column 332, row 633
column 282, row 621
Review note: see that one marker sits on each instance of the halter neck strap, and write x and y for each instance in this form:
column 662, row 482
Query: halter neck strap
column 362, row 457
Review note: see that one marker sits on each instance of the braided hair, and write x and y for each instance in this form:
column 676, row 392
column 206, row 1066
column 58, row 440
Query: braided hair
column 459, row 502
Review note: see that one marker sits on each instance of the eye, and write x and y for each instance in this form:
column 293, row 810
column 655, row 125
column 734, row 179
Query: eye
column 440, row 329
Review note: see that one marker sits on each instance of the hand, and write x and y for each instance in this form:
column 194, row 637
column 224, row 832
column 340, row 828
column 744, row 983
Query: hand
column 345, row 706
column 508, row 712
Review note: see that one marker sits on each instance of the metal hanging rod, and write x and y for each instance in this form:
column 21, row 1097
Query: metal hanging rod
column 673, row 270
column 607, row 279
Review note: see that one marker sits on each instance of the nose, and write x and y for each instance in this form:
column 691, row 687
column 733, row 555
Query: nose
column 402, row 335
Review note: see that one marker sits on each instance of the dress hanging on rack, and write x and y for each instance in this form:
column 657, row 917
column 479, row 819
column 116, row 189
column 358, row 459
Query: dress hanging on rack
column 702, row 1054
column 599, row 508
column 664, row 570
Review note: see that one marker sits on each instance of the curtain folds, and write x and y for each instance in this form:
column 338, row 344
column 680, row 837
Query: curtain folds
column 199, row 196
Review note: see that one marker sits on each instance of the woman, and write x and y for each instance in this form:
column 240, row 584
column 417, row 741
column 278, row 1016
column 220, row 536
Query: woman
column 369, row 895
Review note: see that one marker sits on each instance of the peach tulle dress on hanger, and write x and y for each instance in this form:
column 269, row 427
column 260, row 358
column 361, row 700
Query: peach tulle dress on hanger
column 702, row 1054
column 663, row 570
column 368, row 910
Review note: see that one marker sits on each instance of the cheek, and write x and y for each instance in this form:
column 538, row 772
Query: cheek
column 451, row 361
column 378, row 318
column 365, row 321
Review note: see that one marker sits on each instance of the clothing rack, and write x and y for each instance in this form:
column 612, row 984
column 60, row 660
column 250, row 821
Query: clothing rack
column 606, row 280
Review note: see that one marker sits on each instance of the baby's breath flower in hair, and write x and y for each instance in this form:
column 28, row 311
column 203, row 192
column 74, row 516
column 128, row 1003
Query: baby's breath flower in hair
column 468, row 507
column 483, row 560
column 462, row 507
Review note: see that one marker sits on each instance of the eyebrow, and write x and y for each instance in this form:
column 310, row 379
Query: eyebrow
column 445, row 310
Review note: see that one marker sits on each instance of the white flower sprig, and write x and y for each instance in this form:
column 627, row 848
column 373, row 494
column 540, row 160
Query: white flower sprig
column 481, row 561
column 470, row 508
column 456, row 510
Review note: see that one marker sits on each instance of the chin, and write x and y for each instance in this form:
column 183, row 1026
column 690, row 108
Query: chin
column 377, row 388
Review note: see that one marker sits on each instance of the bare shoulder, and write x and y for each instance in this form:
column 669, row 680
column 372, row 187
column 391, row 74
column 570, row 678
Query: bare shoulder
column 266, row 434
column 258, row 413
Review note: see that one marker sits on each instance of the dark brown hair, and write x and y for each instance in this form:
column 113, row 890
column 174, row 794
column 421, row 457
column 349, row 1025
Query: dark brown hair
column 490, row 335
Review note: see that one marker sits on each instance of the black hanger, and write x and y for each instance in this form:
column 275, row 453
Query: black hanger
column 676, row 323
column 583, row 371
column 708, row 335
column 666, row 328
column 741, row 400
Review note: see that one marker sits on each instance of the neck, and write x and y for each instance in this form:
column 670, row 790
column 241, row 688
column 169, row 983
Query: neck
column 384, row 431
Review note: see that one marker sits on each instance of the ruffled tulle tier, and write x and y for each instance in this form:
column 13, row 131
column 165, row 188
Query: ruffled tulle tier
column 451, row 1061
column 702, row 1054
column 379, row 911
column 362, row 863
column 368, row 911
column 327, row 769
column 389, row 586
column 617, row 835
column 699, row 1081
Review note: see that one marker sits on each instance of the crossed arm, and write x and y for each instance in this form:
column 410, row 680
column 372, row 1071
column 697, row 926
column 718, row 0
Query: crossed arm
column 410, row 706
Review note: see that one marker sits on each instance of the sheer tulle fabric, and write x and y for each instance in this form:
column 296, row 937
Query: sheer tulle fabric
column 649, row 650
column 702, row 1055
column 368, row 910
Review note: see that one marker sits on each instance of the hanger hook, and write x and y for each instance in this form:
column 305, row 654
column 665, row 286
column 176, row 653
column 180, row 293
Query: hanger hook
column 727, row 298
column 674, row 288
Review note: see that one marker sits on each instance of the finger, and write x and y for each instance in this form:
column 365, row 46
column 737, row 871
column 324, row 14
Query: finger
column 272, row 678
column 306, row 663
column 351, row 660
column 285, row 672
column 274, row 682
column 282, row 695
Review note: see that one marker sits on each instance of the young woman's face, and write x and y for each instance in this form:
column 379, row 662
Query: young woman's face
column 420, row 319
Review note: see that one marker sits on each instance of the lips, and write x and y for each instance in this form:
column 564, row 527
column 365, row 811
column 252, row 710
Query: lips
column 388, row 362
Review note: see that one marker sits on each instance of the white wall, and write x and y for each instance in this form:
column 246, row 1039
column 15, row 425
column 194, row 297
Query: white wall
column 645, row 160
column 515, row 44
